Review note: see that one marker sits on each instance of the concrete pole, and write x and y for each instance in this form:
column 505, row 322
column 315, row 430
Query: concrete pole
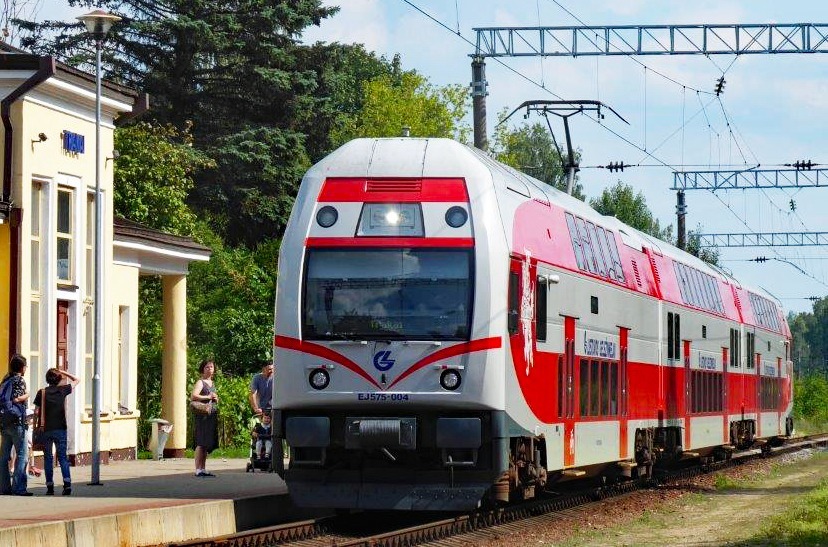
column 174, row 391
column 479, row 93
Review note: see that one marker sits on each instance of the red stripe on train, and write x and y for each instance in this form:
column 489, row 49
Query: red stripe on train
column 442, row 242
column 395, row 190
column 321, row 351
column 468, row 347
column 327, row 353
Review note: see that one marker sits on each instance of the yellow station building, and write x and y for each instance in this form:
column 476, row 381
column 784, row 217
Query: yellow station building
column 47, row 254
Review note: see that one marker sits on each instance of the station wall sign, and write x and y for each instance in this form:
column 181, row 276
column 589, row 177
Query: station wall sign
column 73, row 143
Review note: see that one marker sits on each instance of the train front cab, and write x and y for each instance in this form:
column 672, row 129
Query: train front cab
column 386, row 410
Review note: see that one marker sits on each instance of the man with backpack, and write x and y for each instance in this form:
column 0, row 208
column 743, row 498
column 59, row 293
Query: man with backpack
column 13, row 401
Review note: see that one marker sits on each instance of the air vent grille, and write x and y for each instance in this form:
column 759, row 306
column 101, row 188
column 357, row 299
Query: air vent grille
column 635, row 272
column 393, row 186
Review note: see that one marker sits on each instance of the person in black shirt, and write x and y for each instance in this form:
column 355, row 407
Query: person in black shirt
column 52, row 397
column 14, row 435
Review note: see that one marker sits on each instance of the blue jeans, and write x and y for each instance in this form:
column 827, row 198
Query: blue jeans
column 13, row 437
column 58, row 437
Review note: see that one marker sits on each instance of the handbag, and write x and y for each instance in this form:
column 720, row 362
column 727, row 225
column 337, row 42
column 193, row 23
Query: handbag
column 201, row 408
column 39, row 433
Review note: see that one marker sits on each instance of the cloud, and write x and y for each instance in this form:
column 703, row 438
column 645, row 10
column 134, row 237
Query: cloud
column 358, row 21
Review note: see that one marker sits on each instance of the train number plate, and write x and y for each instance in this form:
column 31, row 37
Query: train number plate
column 382, row 397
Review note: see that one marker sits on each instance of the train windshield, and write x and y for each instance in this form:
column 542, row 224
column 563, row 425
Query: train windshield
column 379, row 294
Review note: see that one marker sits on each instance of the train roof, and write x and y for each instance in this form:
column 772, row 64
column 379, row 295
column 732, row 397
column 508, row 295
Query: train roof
column 404, row 157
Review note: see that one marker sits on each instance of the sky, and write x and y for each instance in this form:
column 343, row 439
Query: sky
column 769, row 114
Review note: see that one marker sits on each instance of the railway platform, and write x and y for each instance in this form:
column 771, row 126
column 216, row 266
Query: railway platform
column 145, row 502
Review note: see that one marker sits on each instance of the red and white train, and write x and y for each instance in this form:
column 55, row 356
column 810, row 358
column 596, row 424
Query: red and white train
column 449, row 330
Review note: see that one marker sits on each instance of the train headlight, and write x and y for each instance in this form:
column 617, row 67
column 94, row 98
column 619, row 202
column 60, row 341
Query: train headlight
column 450, row 379
column 456, row 216
column 319, row 378
column 327, row 216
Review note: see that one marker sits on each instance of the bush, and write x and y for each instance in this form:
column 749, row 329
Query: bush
column 811, row 399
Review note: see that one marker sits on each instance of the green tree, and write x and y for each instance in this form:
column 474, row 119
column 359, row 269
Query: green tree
column 623, row 203
column 531, row 149
column 154, row 174
column 397, row 100
column 708, row 254
column 237, row 72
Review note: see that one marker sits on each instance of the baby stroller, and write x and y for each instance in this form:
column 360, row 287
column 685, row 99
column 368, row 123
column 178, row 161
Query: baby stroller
column 261, row 459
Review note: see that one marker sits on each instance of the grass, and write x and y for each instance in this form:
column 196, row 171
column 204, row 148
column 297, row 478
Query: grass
column 229, row 453
column 807, row 427
column 805, row 522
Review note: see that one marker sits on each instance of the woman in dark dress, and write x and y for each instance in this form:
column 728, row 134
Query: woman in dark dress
column 206, row 425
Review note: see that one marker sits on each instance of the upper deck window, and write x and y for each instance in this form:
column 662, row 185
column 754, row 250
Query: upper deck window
column 698, row 289
column 595, row 249
column 765, row 312
column 379, row 294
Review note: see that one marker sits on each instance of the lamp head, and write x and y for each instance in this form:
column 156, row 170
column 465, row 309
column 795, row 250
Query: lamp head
column 98, row 23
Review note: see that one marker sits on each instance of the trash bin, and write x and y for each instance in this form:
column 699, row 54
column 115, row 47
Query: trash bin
column 158, row 439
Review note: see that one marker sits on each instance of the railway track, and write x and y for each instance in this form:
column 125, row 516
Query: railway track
column 399, row 529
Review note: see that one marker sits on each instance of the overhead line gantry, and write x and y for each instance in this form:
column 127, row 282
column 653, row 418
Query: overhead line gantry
column 617, row 40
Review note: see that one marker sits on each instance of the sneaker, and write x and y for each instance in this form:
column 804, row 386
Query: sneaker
column 67, row 490
column 23, row 493
column 206, row 474
column 50, row 489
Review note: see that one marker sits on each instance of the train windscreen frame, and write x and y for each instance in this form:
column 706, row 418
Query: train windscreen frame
column 388, row 294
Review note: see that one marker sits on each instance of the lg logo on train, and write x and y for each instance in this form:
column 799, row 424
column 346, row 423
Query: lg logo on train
column 383, row 361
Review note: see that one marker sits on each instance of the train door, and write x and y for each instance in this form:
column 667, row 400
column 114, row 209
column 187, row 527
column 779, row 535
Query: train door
column 568, row 391
column 624, row 335
column 686, row 405
column 725, row 397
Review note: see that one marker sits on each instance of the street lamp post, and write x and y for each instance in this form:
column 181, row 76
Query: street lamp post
column 98, row 24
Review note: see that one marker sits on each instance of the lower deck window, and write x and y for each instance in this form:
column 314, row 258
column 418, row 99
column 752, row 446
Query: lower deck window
column 598, row 387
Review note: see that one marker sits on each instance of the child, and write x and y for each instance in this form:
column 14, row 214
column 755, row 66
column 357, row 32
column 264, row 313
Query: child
column 31, row 468
column 262, row 433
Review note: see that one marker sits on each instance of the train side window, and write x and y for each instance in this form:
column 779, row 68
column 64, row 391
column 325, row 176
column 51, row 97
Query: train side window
column 514, row 298
column 704, row 331
column 670, row 336
column 613, row 248
column 602, row 242
column 561, row 385
column 735, row 352
column 595, row 389
column 584, row 383
column 596, row 250
column 593, row 304
column 677, row 336
column 540, row 309
column 613, row 389
column 576, row 241
column 751, row 350
column 587, row 247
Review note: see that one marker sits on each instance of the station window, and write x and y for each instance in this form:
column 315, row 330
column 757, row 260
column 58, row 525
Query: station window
column 65, row 228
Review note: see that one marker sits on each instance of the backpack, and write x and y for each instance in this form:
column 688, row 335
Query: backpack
column 10, row 413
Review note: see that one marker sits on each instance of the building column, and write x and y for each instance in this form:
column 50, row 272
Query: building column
column 174, row 363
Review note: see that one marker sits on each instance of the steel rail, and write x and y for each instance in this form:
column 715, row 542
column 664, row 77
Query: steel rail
column 323, row 531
